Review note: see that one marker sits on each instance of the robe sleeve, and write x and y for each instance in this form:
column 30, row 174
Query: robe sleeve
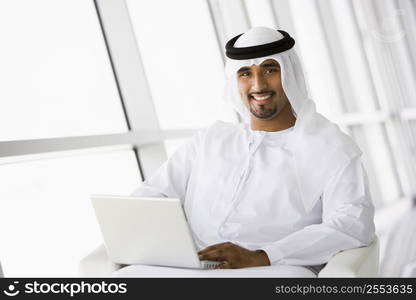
column 347, row 222
column 171, row 179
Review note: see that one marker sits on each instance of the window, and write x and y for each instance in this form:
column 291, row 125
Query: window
column 47, row 223
column 56, row 79
column 182, row 61
column 57, row 85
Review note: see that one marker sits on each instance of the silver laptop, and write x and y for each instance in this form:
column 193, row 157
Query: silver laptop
column 149, row 231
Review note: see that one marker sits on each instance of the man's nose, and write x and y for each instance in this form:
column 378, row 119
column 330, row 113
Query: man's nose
column 259, row 83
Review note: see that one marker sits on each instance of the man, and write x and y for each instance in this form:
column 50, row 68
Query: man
column 284, row 187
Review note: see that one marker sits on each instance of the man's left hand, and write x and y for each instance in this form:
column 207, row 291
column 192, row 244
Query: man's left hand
column 233, row 256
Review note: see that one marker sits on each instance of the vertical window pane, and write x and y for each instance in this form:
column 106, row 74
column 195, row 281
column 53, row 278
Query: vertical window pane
column 260, row 13
column 379, row 166
column 182, row 60
column 47, row 223
column 311, row 43
column 55, row 75
column 412, row 129
column 359, row 93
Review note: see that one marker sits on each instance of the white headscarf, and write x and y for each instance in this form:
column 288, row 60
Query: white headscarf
column 319, row 148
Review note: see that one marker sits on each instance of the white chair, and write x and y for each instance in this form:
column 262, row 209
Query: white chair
column 357, row 262
column 1, row 272
column 409, row 270
column 399, row 255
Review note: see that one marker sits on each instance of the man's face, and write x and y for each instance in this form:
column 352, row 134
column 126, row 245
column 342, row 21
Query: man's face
column 261, row 90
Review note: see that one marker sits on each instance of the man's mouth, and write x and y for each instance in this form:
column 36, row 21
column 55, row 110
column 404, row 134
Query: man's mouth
column 261, row 98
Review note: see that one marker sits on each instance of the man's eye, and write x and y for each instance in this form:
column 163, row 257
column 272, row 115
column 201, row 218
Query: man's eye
column 272, row 70
column 244, row 74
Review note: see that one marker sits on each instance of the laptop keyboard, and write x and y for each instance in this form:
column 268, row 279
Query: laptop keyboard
column 207, row 264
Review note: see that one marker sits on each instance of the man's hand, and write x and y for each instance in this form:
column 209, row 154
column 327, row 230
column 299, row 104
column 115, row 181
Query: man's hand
column 233, row 256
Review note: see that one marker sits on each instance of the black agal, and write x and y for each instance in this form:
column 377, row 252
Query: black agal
column 281, row 45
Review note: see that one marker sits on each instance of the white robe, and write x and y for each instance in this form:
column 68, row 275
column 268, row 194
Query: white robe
column 240, row 185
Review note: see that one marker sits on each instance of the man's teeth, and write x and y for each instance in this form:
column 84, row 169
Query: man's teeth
column 260, row 98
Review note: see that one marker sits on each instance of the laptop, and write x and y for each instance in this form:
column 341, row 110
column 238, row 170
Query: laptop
column 148, row 231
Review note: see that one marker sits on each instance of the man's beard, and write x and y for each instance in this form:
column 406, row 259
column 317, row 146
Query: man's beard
column 264, row 113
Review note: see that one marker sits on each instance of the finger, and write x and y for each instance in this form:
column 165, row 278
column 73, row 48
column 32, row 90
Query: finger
column 215, row 255
column 212, row 247
column 224, row 265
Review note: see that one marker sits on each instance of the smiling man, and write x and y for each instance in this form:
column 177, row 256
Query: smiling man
column 262, row 92
column 285, row 187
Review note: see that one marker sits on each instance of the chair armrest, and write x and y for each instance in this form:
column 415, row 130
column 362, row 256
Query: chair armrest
column 357, row 262
column 409, row 270
column 97, row 264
